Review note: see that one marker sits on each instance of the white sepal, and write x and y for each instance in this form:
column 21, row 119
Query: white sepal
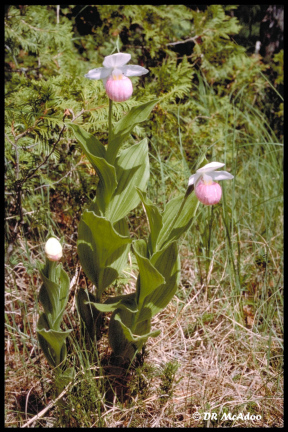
column 99, row 73
column 134, row 70
column 193, row 179
column 221, row 175
column 116, row 60
column 212, row 166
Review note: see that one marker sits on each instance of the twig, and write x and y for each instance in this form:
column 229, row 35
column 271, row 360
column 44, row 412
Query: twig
column 26, row 69
column 50, row 405
column 14, row 58
column 57, row 13
column 78, row 115
column 15, row 216
column 39, row 29
column 74, row 281
column 18, row 184
column 29, row 176
column 27, row 130
column 193, row 39
column 58, row 181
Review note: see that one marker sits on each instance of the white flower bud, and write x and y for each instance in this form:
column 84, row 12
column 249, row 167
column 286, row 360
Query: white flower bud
column 53, row 249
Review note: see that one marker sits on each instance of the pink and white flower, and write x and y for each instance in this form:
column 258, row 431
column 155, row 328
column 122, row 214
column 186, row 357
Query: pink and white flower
column 114, row 76
column 207, row 191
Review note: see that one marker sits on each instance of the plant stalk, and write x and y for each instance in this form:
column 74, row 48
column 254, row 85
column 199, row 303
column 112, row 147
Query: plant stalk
column 110, row 121
column 50, row 270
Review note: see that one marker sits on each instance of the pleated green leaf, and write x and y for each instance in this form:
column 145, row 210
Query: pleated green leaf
column 123, row 342
column 54, row 296
column 132, row 170
column 154, row 219
column 124, row 126
column 96, row 153
column 130, row 337
column 100, row 249
column 118, row 259
column 167, row 263
column 52, row 342
column 173, row 229
column 88, row 314
column 89, row 142
column 126, row 302
column 149, row 276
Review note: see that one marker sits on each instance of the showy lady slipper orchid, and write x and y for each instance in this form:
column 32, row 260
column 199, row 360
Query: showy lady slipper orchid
column 207, row 191
column 53, row 249
column 114, row 76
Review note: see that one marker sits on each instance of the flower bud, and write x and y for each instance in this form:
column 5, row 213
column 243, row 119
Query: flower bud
column 53, row 249
column 208, row 194
column 119, row 89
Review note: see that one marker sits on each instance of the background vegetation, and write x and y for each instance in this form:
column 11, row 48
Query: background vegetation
column 221, row 344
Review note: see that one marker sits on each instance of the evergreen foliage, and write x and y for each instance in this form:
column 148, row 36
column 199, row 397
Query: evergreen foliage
column 215, row 97
column 47, row 55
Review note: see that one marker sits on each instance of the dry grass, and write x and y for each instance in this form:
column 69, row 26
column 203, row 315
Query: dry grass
column 219, row 366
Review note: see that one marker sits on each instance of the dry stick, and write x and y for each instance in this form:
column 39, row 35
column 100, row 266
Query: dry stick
column 50, row 405
column 29, row 176
column 192, row 39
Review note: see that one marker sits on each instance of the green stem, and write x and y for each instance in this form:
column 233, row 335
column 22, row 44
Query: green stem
column 110, row 121
column 208, row 244
column 50, row 270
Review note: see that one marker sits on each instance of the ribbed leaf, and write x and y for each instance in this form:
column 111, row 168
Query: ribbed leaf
column 124, row 126
column 149, row 276
column 154, row 219
column 126, row 302
column 130, row 337
column 52, row 342
column 96, row 153
column 89, row 142
column 132, row 170
column 54, row 296
column 167, row 263
column 100, row 249
column 172, row 229
column 88, row 314
column 123, row 342
column 118, row 259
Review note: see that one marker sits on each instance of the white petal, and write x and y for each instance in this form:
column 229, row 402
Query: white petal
column 221, row 175
column 134, row 70
column 212, row 166
column 116, row 60
column 193, row 179
column 99, row 73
